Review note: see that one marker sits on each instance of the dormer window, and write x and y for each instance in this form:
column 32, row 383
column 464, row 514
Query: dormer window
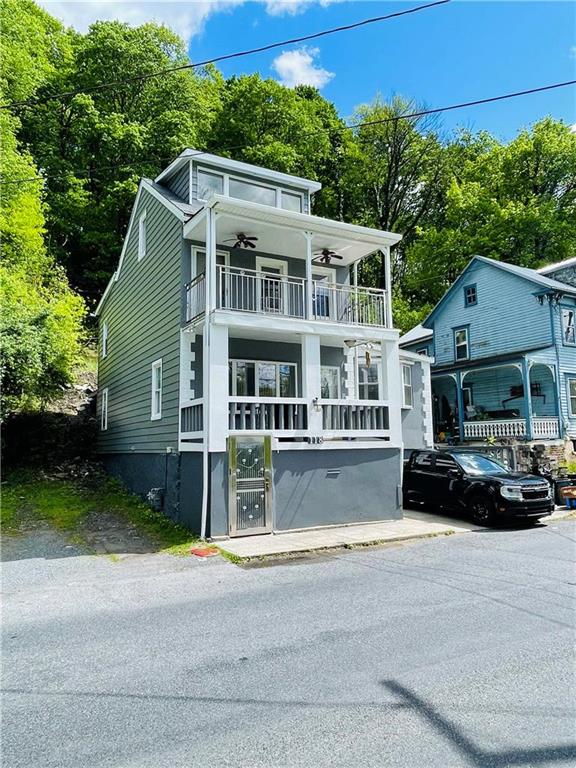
column 291, row 201
column 209, row 184
column 470, row 296
column 254, row 193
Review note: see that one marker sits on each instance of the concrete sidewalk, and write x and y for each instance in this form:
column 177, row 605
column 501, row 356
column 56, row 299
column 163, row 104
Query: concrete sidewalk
column 415, row 525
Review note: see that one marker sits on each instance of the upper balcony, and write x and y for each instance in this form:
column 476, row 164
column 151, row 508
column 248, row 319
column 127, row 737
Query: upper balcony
column 255, row 259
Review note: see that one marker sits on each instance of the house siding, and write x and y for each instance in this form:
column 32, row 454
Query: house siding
column 179, row 182
column 143, row 318
column 506, row 318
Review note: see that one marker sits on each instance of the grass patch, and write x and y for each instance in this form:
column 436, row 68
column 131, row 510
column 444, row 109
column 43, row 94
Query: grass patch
column 69, row 505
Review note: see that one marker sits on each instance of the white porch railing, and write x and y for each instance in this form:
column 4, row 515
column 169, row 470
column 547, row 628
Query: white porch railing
column 542, row 428
column 545, row 428
column 354, row 416
column 196, row 297
column 268, row 414
column 349, row 304
column 247, row 290
column 192, row 419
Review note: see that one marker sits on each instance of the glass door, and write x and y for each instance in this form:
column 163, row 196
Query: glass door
column 250, row 485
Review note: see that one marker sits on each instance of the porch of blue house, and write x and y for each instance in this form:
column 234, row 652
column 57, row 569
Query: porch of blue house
column 516, row 400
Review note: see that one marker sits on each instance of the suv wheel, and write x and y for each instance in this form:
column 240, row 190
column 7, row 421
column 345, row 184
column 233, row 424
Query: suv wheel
column 481, row 510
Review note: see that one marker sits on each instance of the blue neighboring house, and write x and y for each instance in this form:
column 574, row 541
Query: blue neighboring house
column 503, row 339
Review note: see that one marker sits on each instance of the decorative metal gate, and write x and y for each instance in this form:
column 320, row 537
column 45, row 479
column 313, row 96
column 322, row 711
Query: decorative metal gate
column 250, row 484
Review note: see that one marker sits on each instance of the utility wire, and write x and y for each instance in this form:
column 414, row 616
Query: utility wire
column 224, row 57
column 344, row 127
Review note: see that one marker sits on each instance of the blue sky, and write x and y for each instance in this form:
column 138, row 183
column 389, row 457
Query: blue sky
column 457, row 52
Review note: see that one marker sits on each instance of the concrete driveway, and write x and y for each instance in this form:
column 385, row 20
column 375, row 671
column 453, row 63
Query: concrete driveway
column 448, row 652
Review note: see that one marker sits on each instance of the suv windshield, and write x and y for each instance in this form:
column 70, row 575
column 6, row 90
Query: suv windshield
column 478, row 464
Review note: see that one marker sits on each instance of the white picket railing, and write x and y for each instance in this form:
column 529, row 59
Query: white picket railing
column 268, row 414
column 192, row 419
column 247, row 290
column 350, row 304
column 542, row 428
column 355, row 416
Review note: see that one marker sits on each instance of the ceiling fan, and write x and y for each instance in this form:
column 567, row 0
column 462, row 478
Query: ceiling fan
column 242, row 241
column 325, row 256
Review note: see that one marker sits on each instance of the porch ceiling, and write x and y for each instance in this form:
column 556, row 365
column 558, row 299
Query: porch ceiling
column 280, row 232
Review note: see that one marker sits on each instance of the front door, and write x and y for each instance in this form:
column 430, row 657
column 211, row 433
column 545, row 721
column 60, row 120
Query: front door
column 271, row 284
column 250, row 484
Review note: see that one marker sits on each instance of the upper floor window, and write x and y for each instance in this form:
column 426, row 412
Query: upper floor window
column 572, row 396
column 291, row 201
column 142, row 236
column 470, row 295
column 461, row 344
column 407, row 395
column 209, row 184
column 156, row 390
column 104, row 410
column 569, row 326
column 368, row 382
column 254, row 193
column 104, row 343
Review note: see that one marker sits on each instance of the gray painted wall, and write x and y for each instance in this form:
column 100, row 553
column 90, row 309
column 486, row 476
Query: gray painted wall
column 413, row 420
column 141, row 472
column 179, row 182
column 143, row 317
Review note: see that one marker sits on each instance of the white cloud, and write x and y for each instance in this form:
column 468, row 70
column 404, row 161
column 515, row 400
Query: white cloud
column 185, row 17
column 573, row 129
column 298, row 68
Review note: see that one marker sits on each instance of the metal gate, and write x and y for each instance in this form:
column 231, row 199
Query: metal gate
column 250, row 484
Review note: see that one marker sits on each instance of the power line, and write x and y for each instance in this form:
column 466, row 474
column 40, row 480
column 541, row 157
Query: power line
column 345, row 126
column 224, row 57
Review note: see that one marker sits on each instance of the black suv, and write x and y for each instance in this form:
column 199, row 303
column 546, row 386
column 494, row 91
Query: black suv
column 477, row 484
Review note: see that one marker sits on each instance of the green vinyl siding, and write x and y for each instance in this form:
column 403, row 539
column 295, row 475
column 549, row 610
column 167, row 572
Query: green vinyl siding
column 142, row 313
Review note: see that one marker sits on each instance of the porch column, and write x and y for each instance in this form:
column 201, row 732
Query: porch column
column 527, row 397
column 215, row 385
column 309, row 288
column 311, row 382
column 211, row 275
column 460, row 401
column 392, row 388
column 388, row 276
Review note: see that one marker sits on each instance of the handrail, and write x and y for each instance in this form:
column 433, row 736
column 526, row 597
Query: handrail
column 232, row 270
column 271, row 400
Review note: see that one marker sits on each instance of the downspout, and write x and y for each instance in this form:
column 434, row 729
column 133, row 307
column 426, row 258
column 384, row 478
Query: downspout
column 557, row 352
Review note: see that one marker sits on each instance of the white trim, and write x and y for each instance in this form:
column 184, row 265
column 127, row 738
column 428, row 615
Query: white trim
column 407, row 367
column 142, row 235
column 570, row 378
column 104, row 341
column 234, row 165
column 104, row 410
column 156, row 409
column 104, row 296
column 210, row 172
column 264, row 261
column 195, row 249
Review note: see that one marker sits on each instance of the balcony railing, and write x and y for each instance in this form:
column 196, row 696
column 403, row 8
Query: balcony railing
column 192, row 419
column 354, row 416
column 542, row 428
column 247, row 290
column 268, row 414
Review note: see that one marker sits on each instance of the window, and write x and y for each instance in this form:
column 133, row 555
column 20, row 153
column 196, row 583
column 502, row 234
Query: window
column 422, row 351
column 407, row 396
column 444, row 464
column 209, row 184
column 569, row 326
column 104, row 342
column 260, row 378
column 104, row 410
column 254, row 193
column 330, row 382
column 142, row 236
column 156, row 390
column 470, row 295
column 467, row 396
column 461, row 347
column 572, row 396
column 368, row 382
column 291, row 201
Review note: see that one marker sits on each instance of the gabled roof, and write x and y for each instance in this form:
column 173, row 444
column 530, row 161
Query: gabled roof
column 228, row 165
column 559, row 265
column 416, row 334
column 545, row 283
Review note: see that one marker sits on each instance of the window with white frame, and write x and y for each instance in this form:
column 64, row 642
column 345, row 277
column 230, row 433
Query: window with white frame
column 104, row 342
column 209, row 184
column 368, row 382
column 569, row 326
column 263, row 378
column 407, row 395
column 104, row 409
column 156, row 390
column 461, row 344
column 330, row 382
column 254, row 193
column 142, row 236
column 572, row 396
column 423, row 351
column 291, row 201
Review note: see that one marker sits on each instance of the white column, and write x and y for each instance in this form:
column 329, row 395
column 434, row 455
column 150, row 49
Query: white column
column 311, row 382
column 308, row 236
column 392, row 389
column 216, row 386
column 355, row 274
column 211, row 287
column 350, row 370
column 388, row 275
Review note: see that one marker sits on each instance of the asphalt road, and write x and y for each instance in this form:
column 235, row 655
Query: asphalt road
column 448, row 652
